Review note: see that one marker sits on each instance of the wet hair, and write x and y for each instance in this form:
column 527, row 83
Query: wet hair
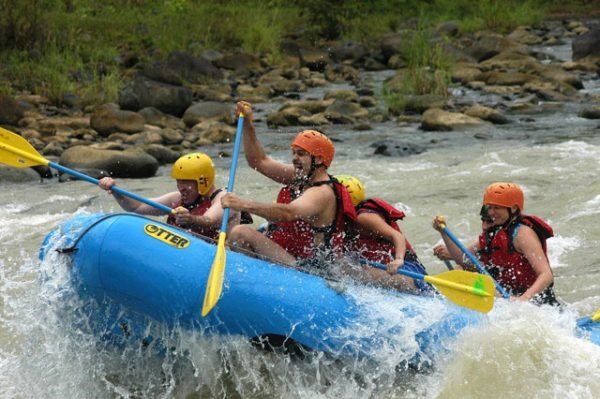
column 484, row 214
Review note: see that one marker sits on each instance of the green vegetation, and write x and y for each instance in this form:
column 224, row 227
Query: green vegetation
column 55, row 47
column 428, row 71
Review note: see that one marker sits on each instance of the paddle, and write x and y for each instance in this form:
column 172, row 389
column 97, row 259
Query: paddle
column 473, row 259
column 17, row 152
column 471, row 290
column 214, row 284
column 589, row 319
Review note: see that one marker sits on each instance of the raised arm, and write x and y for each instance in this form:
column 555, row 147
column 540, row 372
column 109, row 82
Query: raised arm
column 255, row 155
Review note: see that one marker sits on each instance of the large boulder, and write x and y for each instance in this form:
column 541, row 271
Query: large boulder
column 18, row 175
column 393, row 148
column 98, row 162
column 10, row 111
column 436, row 119
column 182, row 67
column 208, row 111
column 143, row 92
column 587, row 44
column 108, row 118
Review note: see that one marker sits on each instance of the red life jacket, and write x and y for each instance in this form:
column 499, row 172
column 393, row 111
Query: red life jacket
column 297, row 237
column 199, row 207
column 509, row 267
column 378, row 249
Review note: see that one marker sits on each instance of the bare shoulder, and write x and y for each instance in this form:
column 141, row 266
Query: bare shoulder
column 323, row 191
column 526, row 237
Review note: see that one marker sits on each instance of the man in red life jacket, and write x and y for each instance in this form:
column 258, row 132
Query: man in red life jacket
column 197, row 202
column 313, row 210
column 381, row 240
column 513, row 250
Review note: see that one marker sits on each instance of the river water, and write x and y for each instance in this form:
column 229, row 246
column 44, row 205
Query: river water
column 522, row 351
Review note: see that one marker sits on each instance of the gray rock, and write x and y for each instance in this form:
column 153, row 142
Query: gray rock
column 10, row 111
column 586, row 44
column 208, row 111
column 18, row 175
column 143, row 92
column 108, row 118
column 393, row 148
column 114, row 163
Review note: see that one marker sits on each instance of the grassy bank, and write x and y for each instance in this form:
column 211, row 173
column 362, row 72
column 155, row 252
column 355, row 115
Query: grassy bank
column 58, row 47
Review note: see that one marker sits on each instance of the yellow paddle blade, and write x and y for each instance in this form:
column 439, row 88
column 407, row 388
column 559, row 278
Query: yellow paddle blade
column 471, row 290
column 596, row 316
column 16, row 151
column 214, row 284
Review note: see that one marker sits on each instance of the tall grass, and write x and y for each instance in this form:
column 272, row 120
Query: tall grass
column 47, row 46
column 428, row 71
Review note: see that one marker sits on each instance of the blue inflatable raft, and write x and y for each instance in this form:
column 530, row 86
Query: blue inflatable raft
column 148, row 270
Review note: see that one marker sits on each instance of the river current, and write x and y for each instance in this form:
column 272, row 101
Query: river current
column 521, row 351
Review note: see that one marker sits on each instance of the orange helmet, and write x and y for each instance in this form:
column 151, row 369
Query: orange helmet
column 316, row 144
column 504, row 194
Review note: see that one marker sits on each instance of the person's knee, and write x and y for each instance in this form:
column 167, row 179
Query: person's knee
column 239, row 233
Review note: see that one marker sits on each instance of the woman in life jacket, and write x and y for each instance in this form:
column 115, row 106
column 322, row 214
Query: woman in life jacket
column 381, row 240
column 440, row 250
column 196, row 203
column 513, row 249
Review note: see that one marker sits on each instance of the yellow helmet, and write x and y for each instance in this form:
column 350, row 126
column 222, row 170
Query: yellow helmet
column 354, row 187
column 196, row 166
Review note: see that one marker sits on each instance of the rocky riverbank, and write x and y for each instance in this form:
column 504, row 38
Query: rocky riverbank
column 185, row 103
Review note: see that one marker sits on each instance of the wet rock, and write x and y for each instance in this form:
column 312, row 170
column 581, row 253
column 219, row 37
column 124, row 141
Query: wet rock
column 240, row 62
column 466, row 72
column 108, row 118
column 253, row 94
column 506, row 78
column 10, row 110
column 287, row 116
column 487, row 114
column 419, row 103
column 341, row 111
column 392, row 148
column 586, row 44
column 487, row 45
column 114, row 163
column 524, row 36
column 436, row 119
column 53, row 148
column 154, row 116
column 590, row 112
column 171, row 136
column 162, row 154
column 346, row 95
column 348, row 51
column 314, row 59
column 193, row 69
column 211, row 132
column 314, row 120
column 18, row 175
column 208, row 111
column 143, row 92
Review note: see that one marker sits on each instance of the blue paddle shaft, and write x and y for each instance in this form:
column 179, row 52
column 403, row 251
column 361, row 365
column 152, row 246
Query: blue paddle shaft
column 400, row 271
column 116, row 189
column 475, row 261
column 236, row 152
